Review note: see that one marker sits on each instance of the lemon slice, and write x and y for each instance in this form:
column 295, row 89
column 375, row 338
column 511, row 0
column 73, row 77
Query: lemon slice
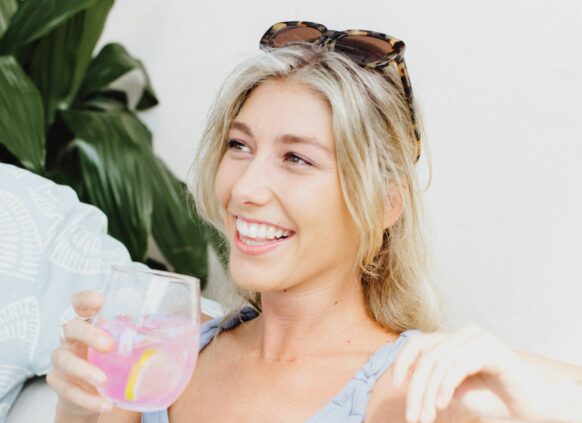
column 134, row 375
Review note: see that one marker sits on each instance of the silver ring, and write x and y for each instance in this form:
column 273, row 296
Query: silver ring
column 68, row 315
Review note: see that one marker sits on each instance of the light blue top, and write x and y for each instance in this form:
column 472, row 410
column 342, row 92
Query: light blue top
column 348, row 406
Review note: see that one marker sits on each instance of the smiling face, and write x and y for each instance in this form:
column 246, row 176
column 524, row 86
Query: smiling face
column 279, row 192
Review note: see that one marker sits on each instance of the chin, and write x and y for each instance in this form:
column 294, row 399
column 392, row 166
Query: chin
column 254, row 281
column 253, row 285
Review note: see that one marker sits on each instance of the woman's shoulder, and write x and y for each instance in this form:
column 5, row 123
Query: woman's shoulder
column 385, row 402
column 212, row 328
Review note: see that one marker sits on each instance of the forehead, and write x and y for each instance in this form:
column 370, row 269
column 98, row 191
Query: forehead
column 283, row 106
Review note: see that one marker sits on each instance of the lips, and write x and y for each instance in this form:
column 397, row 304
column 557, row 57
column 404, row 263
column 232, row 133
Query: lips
column 257, row 246
column 260, row 230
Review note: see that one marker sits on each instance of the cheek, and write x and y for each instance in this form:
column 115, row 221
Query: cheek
column 339, row 223
column 324, row 208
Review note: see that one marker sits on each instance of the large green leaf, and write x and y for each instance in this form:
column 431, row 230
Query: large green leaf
column 116, row 159
column 61, row 58
column 179, row 234
column 7, row 10
column 107, row 100
column 112, row 62
column 21, row 115
column 94, row 124
column 35, row 18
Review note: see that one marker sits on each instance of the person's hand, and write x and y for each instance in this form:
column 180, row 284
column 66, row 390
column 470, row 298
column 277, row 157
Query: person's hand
column 72, row 377
column 476, row 370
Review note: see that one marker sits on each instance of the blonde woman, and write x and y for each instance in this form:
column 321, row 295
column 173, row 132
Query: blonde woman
column 307, row 166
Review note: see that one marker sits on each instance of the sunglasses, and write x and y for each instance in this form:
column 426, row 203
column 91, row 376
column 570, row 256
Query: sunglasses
column 368, row 49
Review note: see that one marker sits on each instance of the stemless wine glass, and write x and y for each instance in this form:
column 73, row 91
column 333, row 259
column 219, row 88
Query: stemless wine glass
column 154, row 319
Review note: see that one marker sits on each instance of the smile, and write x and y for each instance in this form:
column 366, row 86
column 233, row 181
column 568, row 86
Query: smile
column 257, row 238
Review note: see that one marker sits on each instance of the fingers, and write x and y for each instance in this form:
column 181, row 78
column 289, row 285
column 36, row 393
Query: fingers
column 439, row 363
column 80, row 331
column 73, row 367
column 72, row 377
column 468, row 359
column 75, row 381
column 457, row 372
column 406, row 359
column 74, row 395
column 424, row 384
column 87, row 303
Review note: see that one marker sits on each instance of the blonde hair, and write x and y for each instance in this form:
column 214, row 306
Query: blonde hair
column 375, row 150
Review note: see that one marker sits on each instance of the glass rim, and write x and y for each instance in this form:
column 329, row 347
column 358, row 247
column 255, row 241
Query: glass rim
column 174, row 277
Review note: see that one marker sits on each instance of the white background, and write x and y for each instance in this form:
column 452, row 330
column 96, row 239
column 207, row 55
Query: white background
column 500, row 85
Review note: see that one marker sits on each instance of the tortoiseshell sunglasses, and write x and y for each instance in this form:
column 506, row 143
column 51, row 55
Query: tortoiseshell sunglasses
column 367, row 48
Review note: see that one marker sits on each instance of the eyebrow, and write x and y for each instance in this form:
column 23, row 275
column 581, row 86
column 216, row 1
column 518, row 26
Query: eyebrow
column 285, row 138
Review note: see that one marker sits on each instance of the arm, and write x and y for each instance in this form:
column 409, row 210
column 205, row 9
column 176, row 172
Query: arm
column 565, row 381
column 552, row 369
column 473, row 370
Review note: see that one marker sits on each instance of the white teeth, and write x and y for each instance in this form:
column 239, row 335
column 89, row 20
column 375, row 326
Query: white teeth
column 262, row 232
column 253, row 230
column 242, row 227
column 251, row 242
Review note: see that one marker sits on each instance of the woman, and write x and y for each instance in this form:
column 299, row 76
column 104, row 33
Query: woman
column 307, row 166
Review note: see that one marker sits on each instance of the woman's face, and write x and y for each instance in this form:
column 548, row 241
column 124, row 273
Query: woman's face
column 278, row 188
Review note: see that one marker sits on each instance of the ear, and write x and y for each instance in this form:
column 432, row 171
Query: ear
column 393, row 205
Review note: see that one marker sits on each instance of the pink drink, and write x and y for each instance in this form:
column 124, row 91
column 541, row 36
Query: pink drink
column 151, row 364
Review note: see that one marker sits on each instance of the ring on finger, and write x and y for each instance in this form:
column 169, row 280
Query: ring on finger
column 68, row 315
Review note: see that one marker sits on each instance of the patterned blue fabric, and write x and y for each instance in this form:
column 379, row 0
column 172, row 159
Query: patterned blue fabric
column 51, row 246
column 348, row 406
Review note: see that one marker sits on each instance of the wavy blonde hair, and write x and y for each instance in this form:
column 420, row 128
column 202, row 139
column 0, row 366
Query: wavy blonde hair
column 375, row 150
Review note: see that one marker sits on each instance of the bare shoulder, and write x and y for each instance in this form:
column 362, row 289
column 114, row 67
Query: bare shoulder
column 117, row 415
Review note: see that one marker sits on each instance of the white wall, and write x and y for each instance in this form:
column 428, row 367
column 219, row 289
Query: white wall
column 500, row 83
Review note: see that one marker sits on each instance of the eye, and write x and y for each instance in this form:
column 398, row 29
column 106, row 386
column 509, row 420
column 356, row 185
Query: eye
column 237, row 145
column 295, row 159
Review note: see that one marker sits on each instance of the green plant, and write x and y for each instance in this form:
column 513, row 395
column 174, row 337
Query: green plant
column 60, row 118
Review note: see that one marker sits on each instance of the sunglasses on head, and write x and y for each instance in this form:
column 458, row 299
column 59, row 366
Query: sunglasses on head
column 367, row 48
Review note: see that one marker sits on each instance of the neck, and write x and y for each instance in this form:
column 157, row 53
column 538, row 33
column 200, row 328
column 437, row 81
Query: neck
column 299, row 322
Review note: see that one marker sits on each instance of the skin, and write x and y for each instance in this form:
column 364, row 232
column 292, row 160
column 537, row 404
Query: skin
column 314, row 332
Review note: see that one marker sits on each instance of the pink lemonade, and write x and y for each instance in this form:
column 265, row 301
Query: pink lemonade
column 151, row 363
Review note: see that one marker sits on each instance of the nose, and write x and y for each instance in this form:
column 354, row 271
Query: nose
column 253, row 187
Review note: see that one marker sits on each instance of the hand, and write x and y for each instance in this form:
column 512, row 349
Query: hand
column 72, row 377
column 475, row 368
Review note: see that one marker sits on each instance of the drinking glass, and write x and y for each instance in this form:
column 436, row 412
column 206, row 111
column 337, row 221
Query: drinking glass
column 154, row 319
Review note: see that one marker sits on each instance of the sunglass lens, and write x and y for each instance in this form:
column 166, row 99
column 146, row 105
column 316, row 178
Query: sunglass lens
column 294, row 34
column 363, row 49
